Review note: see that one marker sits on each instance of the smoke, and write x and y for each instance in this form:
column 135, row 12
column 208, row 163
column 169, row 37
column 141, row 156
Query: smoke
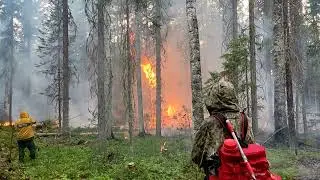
column 29, row 84
column 176, row 68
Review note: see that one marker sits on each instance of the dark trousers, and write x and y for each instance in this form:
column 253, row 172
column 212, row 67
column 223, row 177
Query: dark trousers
column 27, row 143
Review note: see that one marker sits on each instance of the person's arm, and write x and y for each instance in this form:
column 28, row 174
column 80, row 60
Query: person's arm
column 16, row 125
column 32, row 121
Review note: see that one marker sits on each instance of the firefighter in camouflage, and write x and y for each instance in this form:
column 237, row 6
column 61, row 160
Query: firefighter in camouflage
column 219, row 98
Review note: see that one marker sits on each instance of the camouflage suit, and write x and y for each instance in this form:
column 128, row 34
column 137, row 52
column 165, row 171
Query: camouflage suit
column 221, row 98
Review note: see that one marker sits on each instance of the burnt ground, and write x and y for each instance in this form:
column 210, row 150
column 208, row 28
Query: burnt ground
column 309, row 168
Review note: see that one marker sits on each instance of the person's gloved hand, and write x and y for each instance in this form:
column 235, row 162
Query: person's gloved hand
column 213, row 164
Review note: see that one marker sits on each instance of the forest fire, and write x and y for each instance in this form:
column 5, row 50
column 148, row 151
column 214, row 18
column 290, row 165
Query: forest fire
column 149, row 74
column 173, row 114
column 5, row 124
column 171, row 111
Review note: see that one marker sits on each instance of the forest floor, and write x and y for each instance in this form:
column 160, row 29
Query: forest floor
column 81, row 158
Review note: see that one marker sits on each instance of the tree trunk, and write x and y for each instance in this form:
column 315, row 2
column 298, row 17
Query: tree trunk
column 297, row 112
column 129, row 79
column 66, row 73
column 267, row 26
column 27, row 34
column 304, row 113
column 11, row 59
column 60, row 81
column 59, row 85
column 158, row 68
column 247, row 88
column 196, row 76
column 109, row 116
column 254, row 102
column 280, row 117
column 101, row 73
column 27, row 29
column 234, row 19
column 230, row 21
column 296, row 21
column 288, row 65
column 139, row 77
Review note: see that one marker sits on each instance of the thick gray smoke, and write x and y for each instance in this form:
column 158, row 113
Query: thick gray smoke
column 29, row 84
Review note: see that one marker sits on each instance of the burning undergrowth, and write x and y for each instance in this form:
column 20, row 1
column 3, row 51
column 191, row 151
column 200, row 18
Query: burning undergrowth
column 175, row 114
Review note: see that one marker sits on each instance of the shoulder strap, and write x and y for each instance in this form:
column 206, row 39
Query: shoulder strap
column 243, row 126
column 222, row 120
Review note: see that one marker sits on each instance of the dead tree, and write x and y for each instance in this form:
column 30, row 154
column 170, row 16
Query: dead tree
column 66, row 73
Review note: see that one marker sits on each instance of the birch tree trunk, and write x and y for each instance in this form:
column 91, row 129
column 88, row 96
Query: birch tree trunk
column 138, row 65
column 196, row 76
column 252, row 34
column 280, row 117
column 101, row 73
column 158, row 67
column 66, row 73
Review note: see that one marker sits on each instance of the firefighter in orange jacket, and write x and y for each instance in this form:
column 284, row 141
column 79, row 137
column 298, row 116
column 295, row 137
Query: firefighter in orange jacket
column 25, row 135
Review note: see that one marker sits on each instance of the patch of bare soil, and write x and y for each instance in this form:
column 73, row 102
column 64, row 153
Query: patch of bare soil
column 309, row 168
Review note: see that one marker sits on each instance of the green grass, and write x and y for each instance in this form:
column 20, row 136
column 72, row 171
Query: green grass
column 285, row 163
column 109, row 160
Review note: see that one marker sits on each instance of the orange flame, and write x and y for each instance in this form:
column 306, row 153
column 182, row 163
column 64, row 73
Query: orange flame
column 171, row 111
column 6, row 124
column 149, row 73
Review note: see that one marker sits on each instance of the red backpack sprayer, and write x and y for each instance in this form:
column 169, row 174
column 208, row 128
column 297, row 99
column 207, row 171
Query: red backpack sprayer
column 239, row 163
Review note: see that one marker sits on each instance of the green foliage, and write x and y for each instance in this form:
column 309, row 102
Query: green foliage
column 236, row 60
column 50, row 48
column 109, row 160
column 312, row 44
column 285, row 163
column 235, row 68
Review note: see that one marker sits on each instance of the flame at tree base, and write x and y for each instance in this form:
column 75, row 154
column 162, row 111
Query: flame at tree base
column 6, row 124
column 174, row 115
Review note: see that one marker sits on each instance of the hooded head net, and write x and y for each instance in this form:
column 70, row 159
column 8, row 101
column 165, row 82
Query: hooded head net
column 221, row 97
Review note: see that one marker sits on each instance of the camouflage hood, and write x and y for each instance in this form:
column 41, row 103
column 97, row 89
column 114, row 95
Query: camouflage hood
column 220, row 97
